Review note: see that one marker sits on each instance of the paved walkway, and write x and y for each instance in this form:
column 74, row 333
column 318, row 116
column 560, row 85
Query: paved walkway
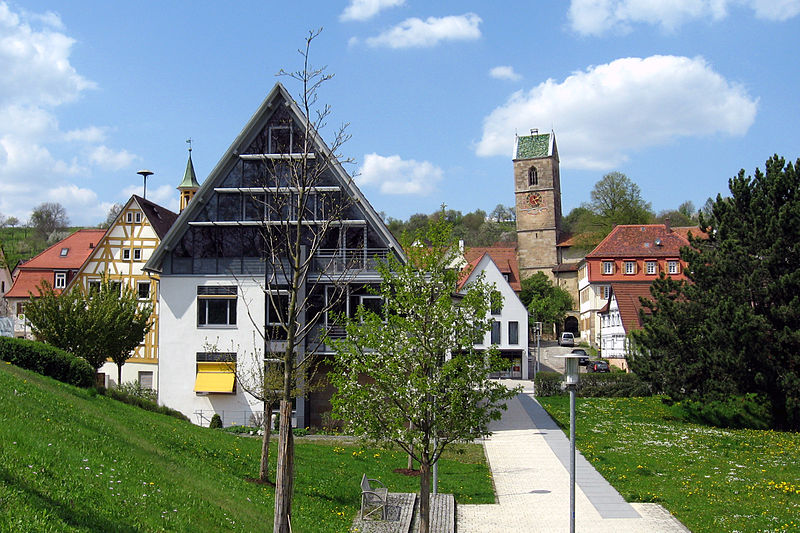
column 529, row 458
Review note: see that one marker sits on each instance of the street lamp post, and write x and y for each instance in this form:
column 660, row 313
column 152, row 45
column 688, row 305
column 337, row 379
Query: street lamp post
column 571, row 382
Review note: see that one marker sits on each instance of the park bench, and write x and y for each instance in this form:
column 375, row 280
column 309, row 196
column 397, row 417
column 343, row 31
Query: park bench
column 373, row 498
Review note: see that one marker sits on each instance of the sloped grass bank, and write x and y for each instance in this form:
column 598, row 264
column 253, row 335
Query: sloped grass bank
column 712, row 479
column 71, row 460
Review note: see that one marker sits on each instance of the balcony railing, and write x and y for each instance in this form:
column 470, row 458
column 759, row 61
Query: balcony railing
column 348, row 260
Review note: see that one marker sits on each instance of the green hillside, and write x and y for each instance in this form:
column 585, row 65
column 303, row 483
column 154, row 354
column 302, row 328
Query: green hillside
column 71, row 460
column 21, row 243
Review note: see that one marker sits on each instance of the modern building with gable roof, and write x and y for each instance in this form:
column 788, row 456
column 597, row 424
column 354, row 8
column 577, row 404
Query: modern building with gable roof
column 212, row 269
column 120, row 255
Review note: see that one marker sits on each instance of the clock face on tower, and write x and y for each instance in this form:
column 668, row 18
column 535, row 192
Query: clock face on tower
column 535, row 200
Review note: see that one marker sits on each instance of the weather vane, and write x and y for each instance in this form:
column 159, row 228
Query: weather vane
column 189, row 142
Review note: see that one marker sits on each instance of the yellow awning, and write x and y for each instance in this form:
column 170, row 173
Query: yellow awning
column 215, row 377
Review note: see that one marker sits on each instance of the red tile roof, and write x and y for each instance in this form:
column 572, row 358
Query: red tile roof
column 505, row 257
column 640, row 240
column 31, row 273
column 683, row 231
column 627, row 295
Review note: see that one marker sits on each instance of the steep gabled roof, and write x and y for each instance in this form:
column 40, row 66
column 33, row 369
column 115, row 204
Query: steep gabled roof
column 627, row 295
column 160, row 218
column 504, row 257
column 277, row 96
column 639, row 240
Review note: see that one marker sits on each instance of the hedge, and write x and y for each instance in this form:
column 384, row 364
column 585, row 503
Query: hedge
column 613, row 384
column 47, row 360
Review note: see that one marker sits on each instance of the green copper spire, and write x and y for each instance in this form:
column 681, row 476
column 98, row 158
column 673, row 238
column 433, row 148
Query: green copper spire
column 189, row 177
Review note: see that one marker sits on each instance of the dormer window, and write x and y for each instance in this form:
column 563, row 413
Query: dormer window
column 137, row 217
column 630, row 267
column 129, row 217
column 61, row 280
column 64, row 252
column 608, row 267
column 533, row 177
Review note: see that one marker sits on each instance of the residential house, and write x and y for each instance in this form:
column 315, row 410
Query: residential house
column 214, row 300
column 510, row 320
column 120, row 255
column 57, row 265
column 630, row 253
column 619, row 317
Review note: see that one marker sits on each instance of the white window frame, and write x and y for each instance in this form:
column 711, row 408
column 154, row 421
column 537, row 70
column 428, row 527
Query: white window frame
column 608, row 267
column 60, row 281
column 95, row 282
column 126, row 254
column 137, row 217
column 140, row 284
column 673, row 267
column 137, row 254
column 630, row 267
column 129, row 217
column 651, row 267
column 145, row 373
column 605, row 291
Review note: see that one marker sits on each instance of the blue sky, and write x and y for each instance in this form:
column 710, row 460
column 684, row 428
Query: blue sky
column 679, row 95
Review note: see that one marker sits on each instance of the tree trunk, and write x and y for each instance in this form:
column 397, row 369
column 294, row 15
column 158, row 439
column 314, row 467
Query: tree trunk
column 410, row 461
column 284, row 477
column 119, row 376
column 263, row 471
column 424, row 495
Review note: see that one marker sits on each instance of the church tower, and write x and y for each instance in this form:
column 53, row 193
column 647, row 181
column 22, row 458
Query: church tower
column 537, row 190
column 189, row 185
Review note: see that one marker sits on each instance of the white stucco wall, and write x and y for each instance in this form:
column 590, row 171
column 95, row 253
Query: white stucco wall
column 612, row 332
column 181, row 339
column 513, row 310
column 130, row 372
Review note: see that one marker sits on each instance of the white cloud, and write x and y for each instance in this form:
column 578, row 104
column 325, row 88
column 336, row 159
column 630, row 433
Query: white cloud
column 595, row 17
column 602, row 114
column 394, row 175
column 418, row 33
column 366, row 9
column 108, row 159
column 92, row 134
column 504, row 73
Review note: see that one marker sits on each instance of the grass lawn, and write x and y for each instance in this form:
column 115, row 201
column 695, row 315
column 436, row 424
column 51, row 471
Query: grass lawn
column 712, row 479
column 74, row 461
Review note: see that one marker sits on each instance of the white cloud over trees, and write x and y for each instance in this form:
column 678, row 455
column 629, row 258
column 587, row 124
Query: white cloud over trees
column 596, row 17
column 394, row 175
column 609, row 111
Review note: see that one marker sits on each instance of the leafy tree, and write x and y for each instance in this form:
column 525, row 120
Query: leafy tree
column 410, row 375
column 107, row 323
column 734, row 327
column 545, row 302
column 12, row 222
column 48, row 217
column 113, row 211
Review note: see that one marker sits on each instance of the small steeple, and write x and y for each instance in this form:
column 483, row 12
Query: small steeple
column 189, row 184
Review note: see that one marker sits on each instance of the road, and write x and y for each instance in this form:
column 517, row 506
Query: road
column 549, row 361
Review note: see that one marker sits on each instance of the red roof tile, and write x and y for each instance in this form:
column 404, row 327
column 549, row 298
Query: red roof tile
column 627, row 295
column 641, row 240
column 505, row 257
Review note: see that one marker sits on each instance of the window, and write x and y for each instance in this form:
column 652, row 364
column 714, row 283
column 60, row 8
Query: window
column 373, row 303
column 137, row 254
column 672, row 267
column 115, row 287
column 651, row 267
column 280, row 140
column 277, row 310
column 143, row 290
column 608, row 267
column 533, row 177
column 61, row 280
column 129, row 217
column 146, row 379
column 497, row 302
column 216, row 372
column 605, row 290
column 513, row 332
column 20, row 310
column 138, row 217
column 64, row 252
column 495, row 332
column 94, row 286
column 216, row 306
column 126, row 254
column 630, row 267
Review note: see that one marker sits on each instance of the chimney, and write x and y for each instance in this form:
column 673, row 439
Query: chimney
column 667, row 226
column 535, row 131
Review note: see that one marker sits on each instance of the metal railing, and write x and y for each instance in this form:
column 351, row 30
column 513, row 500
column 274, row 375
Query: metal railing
column 343, row 260
column 234, row 417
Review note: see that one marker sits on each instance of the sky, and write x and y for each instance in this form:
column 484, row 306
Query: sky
column 678, row 95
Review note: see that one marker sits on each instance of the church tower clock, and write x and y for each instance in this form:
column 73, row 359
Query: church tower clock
column 537, row 190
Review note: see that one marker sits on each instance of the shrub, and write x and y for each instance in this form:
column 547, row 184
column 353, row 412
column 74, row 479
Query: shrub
column 750, row 411
column 216, row 422
column 548, row 384
column 47, row 360
column 122, row 396
column 135, row 389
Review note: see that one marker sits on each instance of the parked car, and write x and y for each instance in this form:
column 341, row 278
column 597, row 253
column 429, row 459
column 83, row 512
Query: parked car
column 584, row 360
column 598, row 366
column 566, row 339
